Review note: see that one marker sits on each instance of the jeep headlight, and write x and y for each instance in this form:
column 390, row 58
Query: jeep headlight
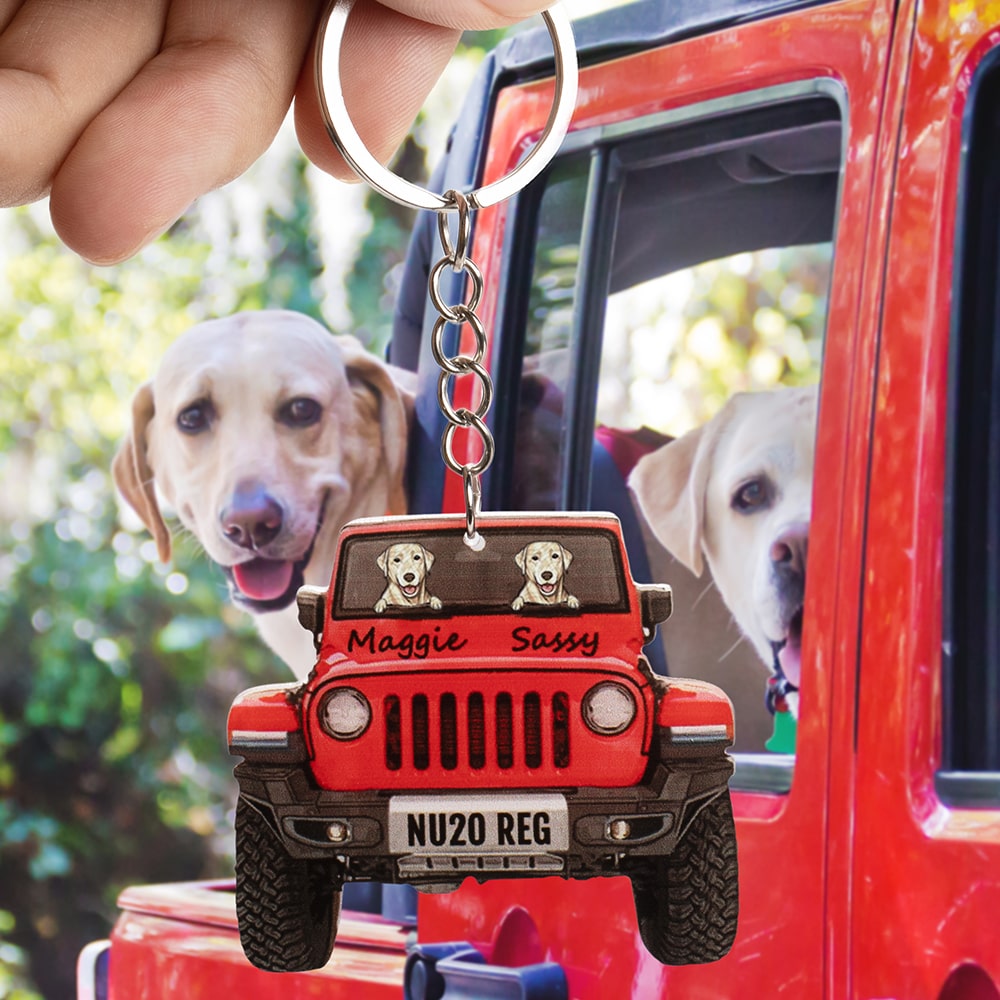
column 345, row 713
column 608, row 708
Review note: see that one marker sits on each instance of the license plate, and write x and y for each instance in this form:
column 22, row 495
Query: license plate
column 473, row 824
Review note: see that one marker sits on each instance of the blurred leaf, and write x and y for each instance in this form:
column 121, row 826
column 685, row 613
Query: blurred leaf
column 186, row 633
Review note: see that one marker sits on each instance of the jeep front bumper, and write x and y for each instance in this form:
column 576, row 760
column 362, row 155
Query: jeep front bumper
column 445, row 836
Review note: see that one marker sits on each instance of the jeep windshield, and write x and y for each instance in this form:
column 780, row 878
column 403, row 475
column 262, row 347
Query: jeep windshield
column 523, row 571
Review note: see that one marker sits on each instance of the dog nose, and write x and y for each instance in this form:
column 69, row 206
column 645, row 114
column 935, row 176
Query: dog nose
column 790, row 549
column 253, row 518
column 409, row 577
column 547, row 574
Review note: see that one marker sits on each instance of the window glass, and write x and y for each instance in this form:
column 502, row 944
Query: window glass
column 971, row 653
column 675, row 350
column 546, row 358
column 562, row 572
column 678, row 346
column 692, row 265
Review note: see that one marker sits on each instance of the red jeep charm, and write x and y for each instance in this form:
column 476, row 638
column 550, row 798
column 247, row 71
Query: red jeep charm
column 486, row 713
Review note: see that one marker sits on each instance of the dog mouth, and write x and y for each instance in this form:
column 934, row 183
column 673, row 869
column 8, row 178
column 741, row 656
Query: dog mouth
column 788, row 651
column 547, row 588
column 410, row 590
column 261, row 584
column 266, row 584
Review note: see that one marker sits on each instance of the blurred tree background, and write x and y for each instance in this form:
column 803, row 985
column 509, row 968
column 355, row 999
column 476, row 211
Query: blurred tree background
column 117, row 671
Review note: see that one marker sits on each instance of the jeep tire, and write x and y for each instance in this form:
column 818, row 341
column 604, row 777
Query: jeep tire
column 687, row 903
column 287, row 908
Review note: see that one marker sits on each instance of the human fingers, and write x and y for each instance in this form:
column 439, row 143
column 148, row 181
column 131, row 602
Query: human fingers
column 60, row 64
column 391, row 56
column 194, row 117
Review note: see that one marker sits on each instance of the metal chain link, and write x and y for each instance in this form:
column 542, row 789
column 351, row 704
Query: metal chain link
column 453, row 367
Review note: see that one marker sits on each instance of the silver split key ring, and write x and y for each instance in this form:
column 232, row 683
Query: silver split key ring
column 345, row 137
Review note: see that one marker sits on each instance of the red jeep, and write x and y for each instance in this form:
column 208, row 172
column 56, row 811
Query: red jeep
column 483, row 712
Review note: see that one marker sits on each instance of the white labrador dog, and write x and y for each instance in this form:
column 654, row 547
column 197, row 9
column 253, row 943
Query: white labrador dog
column 406, row 565
column 265, row 434
column 736, row 494
column 544, row 566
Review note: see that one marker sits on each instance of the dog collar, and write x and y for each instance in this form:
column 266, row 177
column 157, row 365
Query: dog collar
column 778, row 685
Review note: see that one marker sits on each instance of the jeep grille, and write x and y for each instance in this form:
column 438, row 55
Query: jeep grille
column 469, row 745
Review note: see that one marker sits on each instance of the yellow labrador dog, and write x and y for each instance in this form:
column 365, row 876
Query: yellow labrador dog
column 406, row 566
column 544, row 566
column 266, row 433
column 736, row 494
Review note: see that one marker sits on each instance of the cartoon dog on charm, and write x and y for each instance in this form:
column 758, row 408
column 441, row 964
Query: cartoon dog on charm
column 544, row 565
column 406, row 566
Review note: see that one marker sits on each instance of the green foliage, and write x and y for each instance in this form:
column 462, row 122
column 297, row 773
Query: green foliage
column 113, row 765
column 677, row 347
column 13, row 980
column 116, row 673
column 374, row 279
column 295, row 262
column 483, row 41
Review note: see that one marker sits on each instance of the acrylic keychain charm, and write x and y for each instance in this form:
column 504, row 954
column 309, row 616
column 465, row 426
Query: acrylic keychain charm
column 480, row 704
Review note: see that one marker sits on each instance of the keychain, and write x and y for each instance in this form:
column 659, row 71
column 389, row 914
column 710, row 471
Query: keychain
column 344, row 135
column 480, row 704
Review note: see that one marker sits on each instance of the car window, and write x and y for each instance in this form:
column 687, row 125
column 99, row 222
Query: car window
column 541, row 427
column 552, row 571
column 674, row 267
column 971, row 646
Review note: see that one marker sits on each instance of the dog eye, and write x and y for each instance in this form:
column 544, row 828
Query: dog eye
column 300, row 412
column 751, row 496
column 416, row 558
column 195, row 418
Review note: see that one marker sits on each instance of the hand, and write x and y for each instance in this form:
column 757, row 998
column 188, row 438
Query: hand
column 125, row 111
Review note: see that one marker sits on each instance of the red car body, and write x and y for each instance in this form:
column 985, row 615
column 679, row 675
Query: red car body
column 869, row 877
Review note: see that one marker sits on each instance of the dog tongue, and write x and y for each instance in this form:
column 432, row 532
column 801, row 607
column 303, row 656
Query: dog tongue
column 790, row 658
column 263, row 579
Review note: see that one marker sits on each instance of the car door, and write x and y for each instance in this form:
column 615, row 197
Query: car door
column 704, row 231
column 924, row 876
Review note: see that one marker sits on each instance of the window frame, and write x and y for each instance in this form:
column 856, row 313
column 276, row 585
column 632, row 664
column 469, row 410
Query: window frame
column 754, row 772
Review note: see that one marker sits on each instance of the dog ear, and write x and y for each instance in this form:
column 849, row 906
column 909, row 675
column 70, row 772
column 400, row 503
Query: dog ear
column 520, row 558
column 670, row 485
column 567, row 556
column 383, row 562
column 428, row 558
column 132, row 474
column 395, row 393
